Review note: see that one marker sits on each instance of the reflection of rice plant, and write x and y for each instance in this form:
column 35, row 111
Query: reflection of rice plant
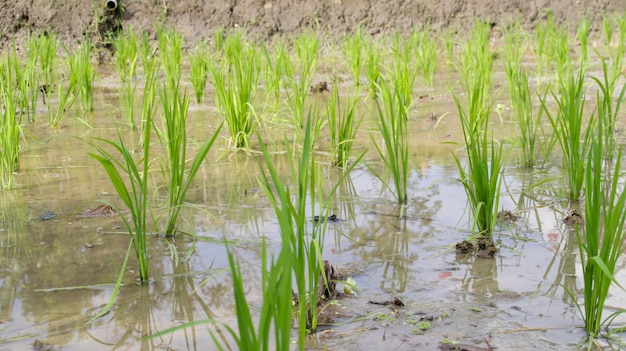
column 568, row 128
column 135, row 194
column 601, row 244
column 235, row 80
column 9, row 122
column 343, row 125
column 199, row 67
column 174, row 136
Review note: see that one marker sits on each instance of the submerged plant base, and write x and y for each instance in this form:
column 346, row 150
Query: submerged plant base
column 483, row 247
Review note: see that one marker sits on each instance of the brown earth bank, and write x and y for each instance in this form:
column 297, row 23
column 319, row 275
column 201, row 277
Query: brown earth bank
column 198, row 19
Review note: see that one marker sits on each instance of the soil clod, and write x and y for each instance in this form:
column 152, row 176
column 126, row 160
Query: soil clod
column 99, row 211
column 574, row 218
column 319, row 87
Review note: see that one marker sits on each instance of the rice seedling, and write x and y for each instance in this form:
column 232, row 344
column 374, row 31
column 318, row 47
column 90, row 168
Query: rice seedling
column 582, row 34
column 481, row 176
column 66, row 96
column 372, row 66
column 299, row 75
column 608, row 107
column 26, row 78
column 126, row 54
column 449, row 42
column 394, row 148
column 46, row 46
column 134, row 191
column 601, row 243
column 170, row 53
column 620, row 51
column 174, row 136
column 273, row 71
column 343, row 125
column 520, row 93
column 10, row 122
column 199, row 67
column 84, row 74
column 353, row 47
column 562, row 57
column 235, row 80
column 403, row 74
column 291, row 210
column 425, row 54
column 568, row 128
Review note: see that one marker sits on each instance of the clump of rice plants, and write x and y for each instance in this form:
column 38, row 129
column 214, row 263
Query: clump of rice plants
column 353, row 47
column 173, row 135
column 343, row 125
column 372, row 66
column 134, row 190
column 425, row 54
column 273, row 72
column 601, row 242
column 199, row 66
column 299, row 75
column 568, row 125
column 125, row 63
column 10, row 122
column 394, row 148
column 170, row 53
column 84, row 74
column 608, row 107
column 520, row 93
column 481, row 176
column 235, row 78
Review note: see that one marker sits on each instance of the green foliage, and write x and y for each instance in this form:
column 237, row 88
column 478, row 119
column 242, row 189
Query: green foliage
column 84, row 73
column 299, row 75
column 235, row 79
column 343, row 125
column 199, row 66
column 601, row 244
column 372, row 66
column 173, row 135
column 10, row 122
column 425, row 54
column 394, row 149
column 353, row 47
column 133, row 191
column 568, row 125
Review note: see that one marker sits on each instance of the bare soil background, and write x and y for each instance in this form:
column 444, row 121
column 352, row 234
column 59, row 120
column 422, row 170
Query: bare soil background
column 198, row 19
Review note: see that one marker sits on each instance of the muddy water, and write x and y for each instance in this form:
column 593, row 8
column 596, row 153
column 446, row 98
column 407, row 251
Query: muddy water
column 57, row 270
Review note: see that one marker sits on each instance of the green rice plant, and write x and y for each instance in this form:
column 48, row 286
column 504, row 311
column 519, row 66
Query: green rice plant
column 601, row 243
column 299, row 75
column 609, row 29
column 27, row 80
column 372, row 66
column 620, row 51
column 568, row 125
column 10, row 122
column 84, row 74
column 291, row 210
column 608, row 107
column 425, row 54
column 544, row 32
column 173, row 135
column 403, row 74
column 235, row 79
column 582, row 34
column 126, row 54
column 343, row 125
column 133, row 191
column 353, row 47
column 449, row 42
column 529, row 121
column 66, row 96
column 481, row 176
column 199, row 66
column 46, row 46
column 170, row 53
column 273, row 71
column 515, row 45
column 561, row 57
column 394, row 148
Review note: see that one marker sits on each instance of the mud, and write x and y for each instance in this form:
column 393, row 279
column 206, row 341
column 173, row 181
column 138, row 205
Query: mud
column 265, row 19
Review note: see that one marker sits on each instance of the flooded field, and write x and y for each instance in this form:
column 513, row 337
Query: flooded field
column 60, row 259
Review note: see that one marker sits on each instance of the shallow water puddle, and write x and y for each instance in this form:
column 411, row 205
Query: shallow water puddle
column 58, row 269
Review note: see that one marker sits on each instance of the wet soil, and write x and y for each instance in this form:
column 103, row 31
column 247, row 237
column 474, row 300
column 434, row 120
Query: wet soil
column 199, row 20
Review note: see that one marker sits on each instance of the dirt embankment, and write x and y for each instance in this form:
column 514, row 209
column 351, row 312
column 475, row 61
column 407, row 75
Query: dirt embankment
column 198, row 19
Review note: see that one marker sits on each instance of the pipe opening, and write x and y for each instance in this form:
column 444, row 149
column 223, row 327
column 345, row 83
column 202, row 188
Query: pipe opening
column 111, row 4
